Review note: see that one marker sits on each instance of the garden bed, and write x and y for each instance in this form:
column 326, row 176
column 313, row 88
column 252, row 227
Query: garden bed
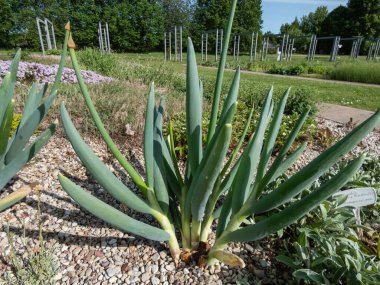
column 88, row 251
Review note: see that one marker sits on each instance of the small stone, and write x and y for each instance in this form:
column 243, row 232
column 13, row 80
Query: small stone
column 156, row 257
column 112, row 241
column 259, row 273
column 248, row 248
column 112, row 280
column 125, row 267
column 155, row 280
column 186, row 271
column 98, row 253
column 112, row 271
column 145, row 277
column 154, row 268
column 263, row 263
column 170, row 267
column 163, row 254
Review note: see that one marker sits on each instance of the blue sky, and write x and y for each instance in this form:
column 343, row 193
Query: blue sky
column 277, row 12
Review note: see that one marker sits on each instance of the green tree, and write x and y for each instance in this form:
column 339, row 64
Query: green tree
column 364, row 17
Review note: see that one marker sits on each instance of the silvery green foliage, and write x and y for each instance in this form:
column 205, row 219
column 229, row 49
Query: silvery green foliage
column 15, row 150
column 188, row 202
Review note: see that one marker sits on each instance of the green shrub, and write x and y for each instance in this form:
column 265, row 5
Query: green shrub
column 300, row 100
column 104, row 63
column 53, row 52
column 286, row 70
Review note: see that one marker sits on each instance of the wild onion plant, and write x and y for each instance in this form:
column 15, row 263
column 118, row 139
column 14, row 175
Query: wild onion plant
column 15, row 151
column 187, row 202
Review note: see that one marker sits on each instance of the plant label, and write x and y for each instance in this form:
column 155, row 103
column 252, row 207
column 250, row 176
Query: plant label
column 358, row 197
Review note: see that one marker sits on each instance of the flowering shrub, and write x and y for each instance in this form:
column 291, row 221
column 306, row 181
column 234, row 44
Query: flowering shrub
column 30, row 71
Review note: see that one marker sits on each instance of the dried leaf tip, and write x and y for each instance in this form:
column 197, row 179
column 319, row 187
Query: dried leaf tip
column 70, row 43
column 67, row 26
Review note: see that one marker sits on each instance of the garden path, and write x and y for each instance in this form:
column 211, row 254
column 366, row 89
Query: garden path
column 302, row 78
column 344, row 114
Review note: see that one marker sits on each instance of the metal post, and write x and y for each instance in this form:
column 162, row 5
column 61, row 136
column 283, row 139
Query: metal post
column 52, row 31
column 164, row 47
column 238, row 47
column 40, row 35
column 170, row 45
column 251, row 50
column 256, row 42
column 216, row 45
column 234, row 50
column 108, row 38
column 202, row 46
column 314, row 48
column 101, row 37
column 180, row 44
column 206, row 45
column 221, row 41
column 291, row 51
column 175, row 42
column 47, row 34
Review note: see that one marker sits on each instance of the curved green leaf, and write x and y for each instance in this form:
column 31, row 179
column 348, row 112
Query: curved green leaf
column 302, row 179
column 24, row 156
column 98, row 170
column 109, row 214
column 193, row 109
column 296, row 210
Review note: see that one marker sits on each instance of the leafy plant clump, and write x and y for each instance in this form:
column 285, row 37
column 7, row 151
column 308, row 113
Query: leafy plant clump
column 329, row 250
column 14, row 148
column 38, row 266
column 187, row 202
column 93, row 59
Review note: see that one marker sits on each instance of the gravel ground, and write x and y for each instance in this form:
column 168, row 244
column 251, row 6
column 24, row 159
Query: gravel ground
column 89, row 251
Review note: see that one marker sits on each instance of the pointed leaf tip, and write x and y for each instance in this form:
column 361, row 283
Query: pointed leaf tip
column 71, row 43
column 67, row 26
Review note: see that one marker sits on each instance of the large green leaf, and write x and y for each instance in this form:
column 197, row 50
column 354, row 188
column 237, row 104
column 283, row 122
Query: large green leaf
column 24, row 156
column 5, row 129
column 99, row 124
column 272, row 135
column 160, row 178
column 314, row 169
column 193, row 110
column 148, row 137
column 13, row 198
column 24, row 133
column 250, row 158
column 98, row 170
column 296, row 210
column 109, row 214
column 220, row 74
column 8, row 84
column 201, row 188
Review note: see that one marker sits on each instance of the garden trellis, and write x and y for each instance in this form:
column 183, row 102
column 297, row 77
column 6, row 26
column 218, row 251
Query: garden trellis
column 177, row 30
column 253, row 48
column 218, row 43
column 47, row 32
column 104, row 38
column 373, row 51
column 285, row 49
column 334, row 49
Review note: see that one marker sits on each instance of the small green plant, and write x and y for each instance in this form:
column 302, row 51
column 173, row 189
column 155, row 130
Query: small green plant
column 93, row 59
column 328, row 249
column 15, row 122
column 14, row 148
column 53, row 52
column 188, row 201
column 38, row 267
